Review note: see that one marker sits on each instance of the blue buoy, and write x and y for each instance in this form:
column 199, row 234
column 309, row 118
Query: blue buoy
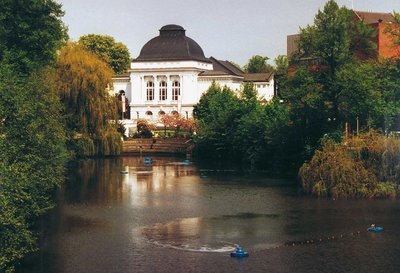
column 375, row 229
column 147, row 160
column 186, row 162
column 239, row 253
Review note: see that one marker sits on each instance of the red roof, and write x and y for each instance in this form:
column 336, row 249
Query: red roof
column 373, row 17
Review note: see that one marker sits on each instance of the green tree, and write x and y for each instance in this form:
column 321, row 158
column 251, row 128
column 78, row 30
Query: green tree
column 33, row 153
column 361, row 96
column 319, row 95
column 388, row 73
column 216, row 112
column 115, row 54
column 281, row 70
column 238, row 128
column 83, row 81
column 30, row 32
column 258, row 64
column 281, row 65
column 310, row 112
column 31, row 129
column 335, row 37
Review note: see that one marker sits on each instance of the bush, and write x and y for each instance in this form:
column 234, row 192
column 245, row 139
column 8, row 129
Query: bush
column 144, row 129
column 361, row 167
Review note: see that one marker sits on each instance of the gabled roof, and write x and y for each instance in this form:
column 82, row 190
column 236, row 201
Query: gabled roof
column 258, row 77
column 213, row 73
column 226, row 67
column 373, row 17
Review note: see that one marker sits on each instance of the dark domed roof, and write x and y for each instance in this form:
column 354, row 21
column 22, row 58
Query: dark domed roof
column 171, row 44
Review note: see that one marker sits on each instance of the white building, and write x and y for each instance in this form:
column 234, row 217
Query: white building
column 171, row 73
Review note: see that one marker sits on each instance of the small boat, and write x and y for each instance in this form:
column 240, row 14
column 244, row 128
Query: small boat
column 239, row 253
column 375, row 229
column 186, row 162
column 123, row 172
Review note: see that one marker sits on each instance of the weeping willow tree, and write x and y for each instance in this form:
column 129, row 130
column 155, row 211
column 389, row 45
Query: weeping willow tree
column 83, row 81
column 366, row 166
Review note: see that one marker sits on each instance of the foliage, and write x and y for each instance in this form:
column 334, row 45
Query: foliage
column 176, row 123
column 309, row 113
column 363, row 92
column 335, row 37
column 361, row 96
column 238, row 128
column 31, row 130
column 30, row 33
column 345, row 84
column 82, row 82
column 33, row 154
column 281, row 64
column 388, row 73
column 144, row 128
column 394, row 29
column 115, row 54
column 258, row 64
column 364, row 166
column 217, row 112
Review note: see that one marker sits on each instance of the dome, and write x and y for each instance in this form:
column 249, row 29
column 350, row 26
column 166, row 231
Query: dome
column 171, row 44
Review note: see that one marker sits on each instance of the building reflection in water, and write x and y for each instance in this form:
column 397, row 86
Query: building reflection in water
column 170, row 195
column 151, row 184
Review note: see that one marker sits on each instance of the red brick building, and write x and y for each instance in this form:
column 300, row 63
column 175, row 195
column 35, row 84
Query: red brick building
column 386, row 48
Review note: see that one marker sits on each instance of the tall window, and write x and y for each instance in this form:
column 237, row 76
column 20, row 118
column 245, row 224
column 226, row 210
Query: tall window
column 163, row 90
column 150, row 90
column 176, row 90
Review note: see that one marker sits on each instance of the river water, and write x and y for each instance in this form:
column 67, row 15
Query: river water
column 171, row 217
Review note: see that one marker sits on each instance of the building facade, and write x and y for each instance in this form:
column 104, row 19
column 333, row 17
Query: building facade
column 171, row 73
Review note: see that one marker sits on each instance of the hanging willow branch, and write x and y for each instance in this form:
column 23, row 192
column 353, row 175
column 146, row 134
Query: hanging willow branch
column 83, row 81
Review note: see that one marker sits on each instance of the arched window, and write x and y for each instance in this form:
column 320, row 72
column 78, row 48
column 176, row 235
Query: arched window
column 176, row 90
column 175, row 113
column 163, row 90
column 161, row 113
column 149, row 114
column 150, row 90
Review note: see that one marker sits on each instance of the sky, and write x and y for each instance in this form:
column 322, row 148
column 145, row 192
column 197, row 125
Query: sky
column 233, row 30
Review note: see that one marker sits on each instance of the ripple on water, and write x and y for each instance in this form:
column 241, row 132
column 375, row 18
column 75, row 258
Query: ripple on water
column 215, row 234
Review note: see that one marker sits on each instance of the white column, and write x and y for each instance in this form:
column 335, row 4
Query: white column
column 169, row 88
column 142, row 89
column 156, row 89
column 180, row 94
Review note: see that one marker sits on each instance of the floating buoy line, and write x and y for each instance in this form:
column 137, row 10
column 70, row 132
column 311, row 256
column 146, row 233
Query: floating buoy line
column 320, row 240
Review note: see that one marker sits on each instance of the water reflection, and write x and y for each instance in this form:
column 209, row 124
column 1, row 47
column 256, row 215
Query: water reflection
column 166, row 216
column 218, row 233
column 120, row 180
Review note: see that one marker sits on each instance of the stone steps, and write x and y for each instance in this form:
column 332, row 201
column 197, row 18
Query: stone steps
column 159, row 145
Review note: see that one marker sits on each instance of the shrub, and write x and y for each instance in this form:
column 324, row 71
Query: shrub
column 144, row 129
column 364, row 166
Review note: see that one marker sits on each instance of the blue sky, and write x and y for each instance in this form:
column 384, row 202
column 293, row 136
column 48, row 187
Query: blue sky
column 231, row 30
